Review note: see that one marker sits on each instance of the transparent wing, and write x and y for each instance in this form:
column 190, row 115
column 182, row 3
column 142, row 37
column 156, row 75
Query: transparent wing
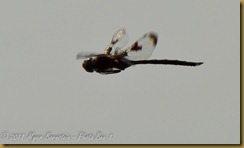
column 119, row 40
column 84, row 55
column 142, row 49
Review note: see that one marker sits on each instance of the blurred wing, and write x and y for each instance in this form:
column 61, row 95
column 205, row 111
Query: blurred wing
column 141, row 49
column 119, row 40
column 84, row 55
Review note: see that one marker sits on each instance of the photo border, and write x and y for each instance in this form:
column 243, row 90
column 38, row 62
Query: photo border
column 159, row 145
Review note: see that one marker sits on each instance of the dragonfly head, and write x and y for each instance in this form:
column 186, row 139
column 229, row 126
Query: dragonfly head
column 88, row 65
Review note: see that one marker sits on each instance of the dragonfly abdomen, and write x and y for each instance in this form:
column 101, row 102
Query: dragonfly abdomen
column 168, row 62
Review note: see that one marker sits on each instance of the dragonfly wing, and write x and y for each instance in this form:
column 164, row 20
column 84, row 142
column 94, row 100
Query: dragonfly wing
column 119, row 40
column 84, row 55
column 142, row 48
column 110, row 71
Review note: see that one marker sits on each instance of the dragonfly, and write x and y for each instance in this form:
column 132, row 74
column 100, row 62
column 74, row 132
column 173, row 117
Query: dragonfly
column 116, row 58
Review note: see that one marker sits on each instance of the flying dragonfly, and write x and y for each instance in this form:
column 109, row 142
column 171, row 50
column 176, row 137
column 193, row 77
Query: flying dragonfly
column 115, row 58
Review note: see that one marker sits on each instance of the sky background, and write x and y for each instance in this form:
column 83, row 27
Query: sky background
column 44, row 89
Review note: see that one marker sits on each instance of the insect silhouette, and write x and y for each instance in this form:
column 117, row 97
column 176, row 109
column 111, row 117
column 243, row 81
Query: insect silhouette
column 115, row 58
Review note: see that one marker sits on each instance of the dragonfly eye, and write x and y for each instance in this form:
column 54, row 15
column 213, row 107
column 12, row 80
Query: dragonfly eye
column 88, row 65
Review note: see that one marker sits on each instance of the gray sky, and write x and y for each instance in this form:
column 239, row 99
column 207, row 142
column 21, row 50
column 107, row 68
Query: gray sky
column 45, row 90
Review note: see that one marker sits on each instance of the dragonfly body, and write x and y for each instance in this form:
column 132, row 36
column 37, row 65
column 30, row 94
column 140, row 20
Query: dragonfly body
column 105, row 64
column 115, row 59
